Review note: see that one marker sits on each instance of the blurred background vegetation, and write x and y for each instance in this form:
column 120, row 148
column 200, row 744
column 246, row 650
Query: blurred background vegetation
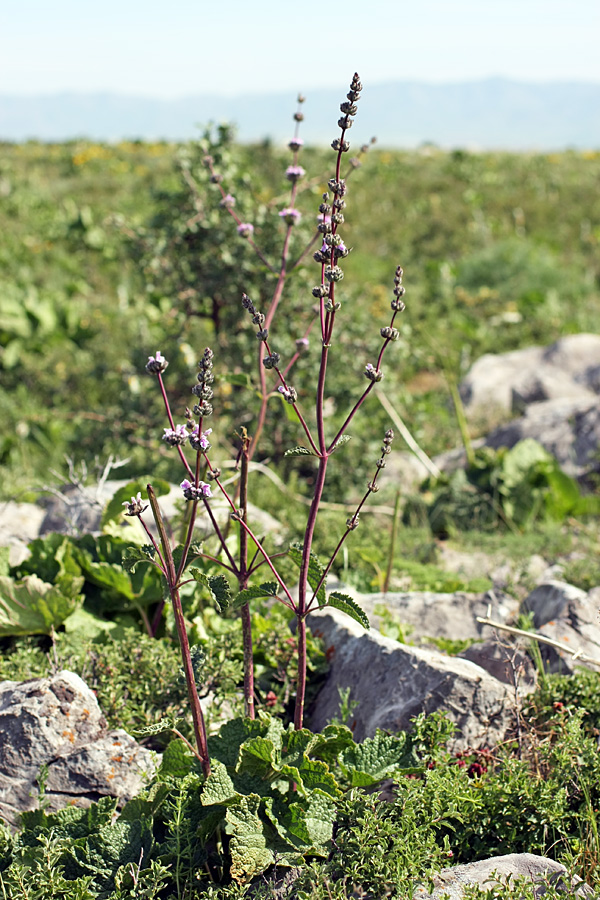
column 111, row 252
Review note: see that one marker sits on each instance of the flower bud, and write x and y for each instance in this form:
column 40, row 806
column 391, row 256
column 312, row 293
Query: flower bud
column 269, row 362
column 333, row 273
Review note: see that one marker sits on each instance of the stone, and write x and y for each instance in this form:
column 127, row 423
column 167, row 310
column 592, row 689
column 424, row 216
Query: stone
column 19, row 524
column 431, row 614
column 510, row 382
column 569, row 615
column 56, row 722
column 506, row 661
column 391, row 683
column 450, row 883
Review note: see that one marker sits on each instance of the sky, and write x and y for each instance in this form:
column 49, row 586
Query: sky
column 176, row 48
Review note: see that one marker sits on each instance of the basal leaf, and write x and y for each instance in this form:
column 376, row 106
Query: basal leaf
column 257, row 756
column 31, row 606
column 248, row 845
column 349, row 606
column 218, row 787
column 377, row 758
column 268, row 589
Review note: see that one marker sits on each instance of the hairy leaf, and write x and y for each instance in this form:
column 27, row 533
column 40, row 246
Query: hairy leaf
column 315, row 569
column 299, row 451
column 343, row 439
column 346, row 604
column 248, row 846
column 133, row 556
column 31, row 606
column 268, row 589
column 217, row 585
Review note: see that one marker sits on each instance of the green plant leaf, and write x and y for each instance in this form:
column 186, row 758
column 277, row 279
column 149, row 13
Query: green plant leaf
column 346, row 604
column 218, row 787
column 248, row 845
column 315, row 569
column 31, row 606
column 268, row 589
column 299, row 451
column 114, row 507
column 378, row 757
column 217, row 585
column 167, row 724
column 343, row 439
column 133, row 556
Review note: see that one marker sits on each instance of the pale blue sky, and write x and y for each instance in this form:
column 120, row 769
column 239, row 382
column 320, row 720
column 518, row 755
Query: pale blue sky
column 179, row 47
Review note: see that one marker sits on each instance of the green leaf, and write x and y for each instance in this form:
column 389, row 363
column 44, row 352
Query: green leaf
column 88, row 626
column 248, row 845
column 343, row 439
column 146, row 804
column 378, row 757
column 239, row 378
column 309, row 824
column 31, row 606
column 268, row 589
column 349, row 606
column 217, row 585
column 177, row 761
column 299, row 451
column 114, row 508
column 166, row 724
column 330, row 742
column 133, row 556
column 218, row 787
column 258, row 757
column 315, row 569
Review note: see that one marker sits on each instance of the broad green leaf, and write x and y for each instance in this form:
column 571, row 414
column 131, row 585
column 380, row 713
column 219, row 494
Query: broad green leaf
column 377, row 758
column 114, row 508
column 315, row 569
column 343, row 439
column 217, row 585
column 349, row 606
column 218, row 787
column 268, row 589
column 299, row 451
column 177, row 761
column 248, row 845
column 225, row 745
column 88, row 626
column 133, row 556
column 146, row 804
column 31, row 606
column 309, row 824
column 330, row 742
column 257, row 756
column 242, row 379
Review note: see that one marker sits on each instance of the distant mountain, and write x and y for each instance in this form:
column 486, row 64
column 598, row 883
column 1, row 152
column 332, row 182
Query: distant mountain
column 494, row 113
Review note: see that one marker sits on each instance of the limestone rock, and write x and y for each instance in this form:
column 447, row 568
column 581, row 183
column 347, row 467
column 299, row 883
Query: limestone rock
column 569, row 615
column 505, row 661
column 56, row 722
column 391, row 683
column 451, row 883
column 431, row 614
column 509, row 382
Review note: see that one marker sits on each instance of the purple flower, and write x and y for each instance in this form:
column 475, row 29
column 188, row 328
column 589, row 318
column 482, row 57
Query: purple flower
column 191, row 492
column 289, row 394
column 302, row 345
column 228, row 202
column 290, row 215
column 294, row 173
column 245, row 229
column 175, row 437
column 296, row 143
column 324, row 219
column 156, row 363
column 135, row 506
column 198, row 439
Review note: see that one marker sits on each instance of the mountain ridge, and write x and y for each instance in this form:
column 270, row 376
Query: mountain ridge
column 493, row 113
